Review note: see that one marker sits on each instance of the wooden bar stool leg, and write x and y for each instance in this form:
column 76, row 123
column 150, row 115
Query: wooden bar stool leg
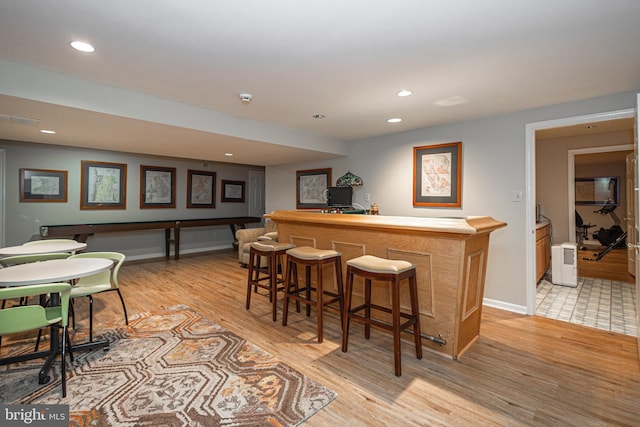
column 395, row 313
column 319, row 302
column 415, row 310
column 307, row 278
column 338, row 270
column 273, row 283
column 367, row 310
column 290, row 270
column 252, row 256
column 347, row 310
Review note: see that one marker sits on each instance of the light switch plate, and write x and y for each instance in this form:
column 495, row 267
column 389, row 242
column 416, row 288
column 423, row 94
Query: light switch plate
column 517, row 195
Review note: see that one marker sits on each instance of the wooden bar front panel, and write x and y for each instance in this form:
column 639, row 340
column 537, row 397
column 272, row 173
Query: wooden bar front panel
column 450, row 268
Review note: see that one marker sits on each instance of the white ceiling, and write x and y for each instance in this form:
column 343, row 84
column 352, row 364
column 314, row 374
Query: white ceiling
column 166, row 74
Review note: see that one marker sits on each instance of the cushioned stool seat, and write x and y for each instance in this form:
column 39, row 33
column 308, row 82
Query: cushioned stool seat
column 391, row 271
column 311, row 257
column 266, row 278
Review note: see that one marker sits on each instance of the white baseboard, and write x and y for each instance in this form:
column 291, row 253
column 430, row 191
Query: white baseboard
column 182, row 252
column 520, row 309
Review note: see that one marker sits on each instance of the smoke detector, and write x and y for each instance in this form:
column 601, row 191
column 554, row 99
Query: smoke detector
column 245, row 98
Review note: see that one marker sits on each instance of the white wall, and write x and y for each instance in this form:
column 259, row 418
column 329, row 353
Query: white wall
column 494, row 166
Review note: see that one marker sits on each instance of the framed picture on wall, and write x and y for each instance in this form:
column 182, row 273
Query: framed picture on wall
column 201, row 189
column 232, row 191
column 43, row 185
column 598, row 190
column 311, row 188
column 157, row 187
column 103, row 185
column 437, row 171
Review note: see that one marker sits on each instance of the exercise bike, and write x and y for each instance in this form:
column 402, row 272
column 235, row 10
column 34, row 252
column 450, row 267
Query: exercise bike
column 613, row 237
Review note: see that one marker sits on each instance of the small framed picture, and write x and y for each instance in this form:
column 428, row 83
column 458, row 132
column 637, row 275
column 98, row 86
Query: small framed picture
column 157, row 187
column 437, row 173
column 103, row 185
column 43, row 185
column 311, row 188
column 232, row 191
column 201, row 189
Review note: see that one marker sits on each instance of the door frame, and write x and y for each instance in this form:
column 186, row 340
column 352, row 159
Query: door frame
column 530, row 186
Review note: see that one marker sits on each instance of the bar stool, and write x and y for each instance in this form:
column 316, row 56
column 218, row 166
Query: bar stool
column 267, row 278
column 311, row 257
column 392, row 271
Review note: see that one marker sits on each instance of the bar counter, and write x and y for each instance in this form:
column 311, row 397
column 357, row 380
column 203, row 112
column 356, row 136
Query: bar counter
column 450, row 255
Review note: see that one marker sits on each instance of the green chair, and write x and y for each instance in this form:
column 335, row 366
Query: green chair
column 25, row 259
column 45, row 241
column 104, row 281
column 23, row 318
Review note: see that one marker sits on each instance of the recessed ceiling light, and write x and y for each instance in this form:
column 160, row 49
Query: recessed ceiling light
column 404, row 92
column 451, row 101
column 228, row 154
column 82, row 46
column 51, row 132
column 395, row 120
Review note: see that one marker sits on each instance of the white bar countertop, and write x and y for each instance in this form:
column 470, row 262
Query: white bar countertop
column 461, row 225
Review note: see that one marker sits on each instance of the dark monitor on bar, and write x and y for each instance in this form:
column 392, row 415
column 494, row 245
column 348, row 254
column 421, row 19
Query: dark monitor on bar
column 339, row 197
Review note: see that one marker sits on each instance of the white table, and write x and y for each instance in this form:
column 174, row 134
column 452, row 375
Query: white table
column 51, row 271
column 42, row 248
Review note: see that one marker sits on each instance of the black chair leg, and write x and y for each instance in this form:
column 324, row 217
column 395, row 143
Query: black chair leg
column 73, row 315
column 90, row 318
column 38, row 339
column 126, row 319
column 64, row 362
column 69, row 349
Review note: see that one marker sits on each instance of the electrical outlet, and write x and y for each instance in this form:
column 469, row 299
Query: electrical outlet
column 367, row 197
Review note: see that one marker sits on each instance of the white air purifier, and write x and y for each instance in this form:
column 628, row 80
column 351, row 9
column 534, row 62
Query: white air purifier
column 564, row 264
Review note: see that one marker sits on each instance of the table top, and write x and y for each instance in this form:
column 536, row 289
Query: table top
column 55, row 270
column 42, row 248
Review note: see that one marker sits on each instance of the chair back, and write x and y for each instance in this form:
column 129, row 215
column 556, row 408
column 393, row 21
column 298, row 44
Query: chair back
column 45, row 241
column 107, row 276
column 28, row 317
column 25, row 259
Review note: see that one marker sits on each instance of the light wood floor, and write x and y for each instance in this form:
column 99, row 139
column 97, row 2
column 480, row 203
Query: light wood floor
column 523, row 370
column 612, row 266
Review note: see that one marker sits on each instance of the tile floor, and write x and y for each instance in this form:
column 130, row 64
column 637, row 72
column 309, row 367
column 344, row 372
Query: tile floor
column 597, row 303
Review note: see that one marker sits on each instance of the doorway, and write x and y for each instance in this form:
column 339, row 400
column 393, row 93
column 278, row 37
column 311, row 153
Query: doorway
column 256, row 193
column 590, row 155
column 531, row 131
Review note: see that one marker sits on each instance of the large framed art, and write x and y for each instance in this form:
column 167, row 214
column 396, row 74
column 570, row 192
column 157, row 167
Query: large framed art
column 437, row 175
column 103, row 185
column 43, row 185
column 311, row 188
column 201, row 189
column 157, row 187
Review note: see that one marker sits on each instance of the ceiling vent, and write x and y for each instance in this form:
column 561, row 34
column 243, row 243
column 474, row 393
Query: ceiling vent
column 5, row 118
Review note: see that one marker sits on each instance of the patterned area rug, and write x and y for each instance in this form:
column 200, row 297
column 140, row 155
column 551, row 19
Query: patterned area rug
column 171, row 368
